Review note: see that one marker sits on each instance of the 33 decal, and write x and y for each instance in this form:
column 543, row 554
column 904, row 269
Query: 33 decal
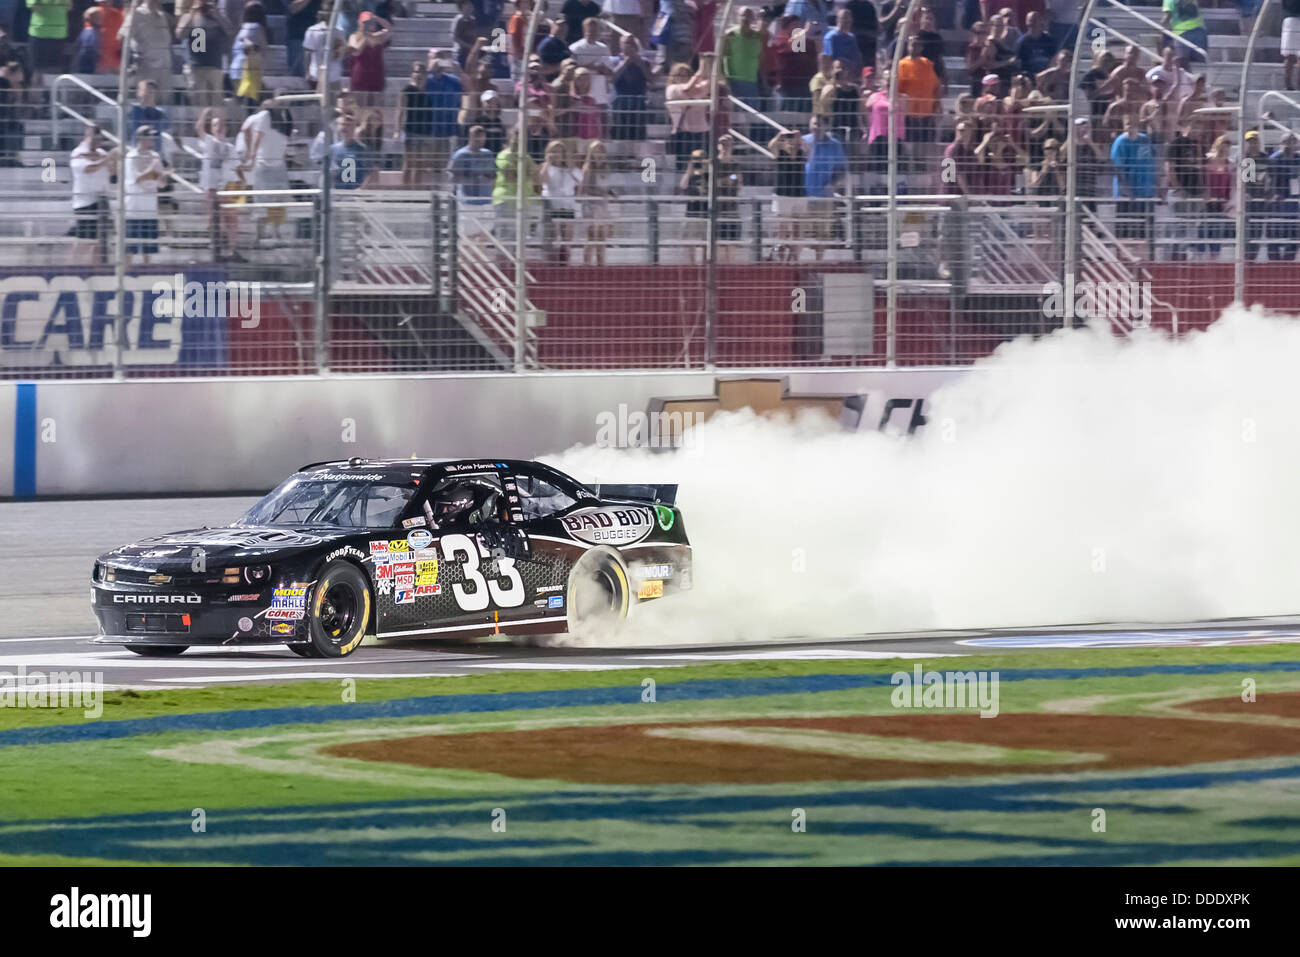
column 469, row 554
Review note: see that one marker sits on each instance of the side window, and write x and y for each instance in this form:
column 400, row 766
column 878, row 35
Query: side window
column 539, row 498
column 464, row 501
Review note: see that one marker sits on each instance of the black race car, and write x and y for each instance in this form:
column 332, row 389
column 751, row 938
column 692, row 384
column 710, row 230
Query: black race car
column 399, row 548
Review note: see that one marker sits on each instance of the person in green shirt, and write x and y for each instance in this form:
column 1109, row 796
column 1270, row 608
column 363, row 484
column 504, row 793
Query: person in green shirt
column 505, row 189
column 1184, row 18
column 49, row 32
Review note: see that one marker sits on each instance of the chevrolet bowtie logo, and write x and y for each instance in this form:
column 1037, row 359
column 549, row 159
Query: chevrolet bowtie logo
column 767, row 397
column 159, row 579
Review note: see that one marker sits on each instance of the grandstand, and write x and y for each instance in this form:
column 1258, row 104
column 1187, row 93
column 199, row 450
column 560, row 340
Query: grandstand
column 420, row 279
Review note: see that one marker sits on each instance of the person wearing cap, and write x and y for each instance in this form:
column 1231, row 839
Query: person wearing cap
column 1284, row 174
column 144, row 174
column 1257, row 185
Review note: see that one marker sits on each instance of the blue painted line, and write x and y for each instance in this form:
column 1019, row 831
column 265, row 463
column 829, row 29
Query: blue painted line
column 685, row 690
column 25, row 440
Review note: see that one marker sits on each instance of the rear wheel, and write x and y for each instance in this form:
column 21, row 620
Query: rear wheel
column 599, row 596
column 158, row 651
column 303, row 651
column 339, row 612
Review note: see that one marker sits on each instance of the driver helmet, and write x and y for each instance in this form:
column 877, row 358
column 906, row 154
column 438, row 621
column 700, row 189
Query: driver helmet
column 453, row 503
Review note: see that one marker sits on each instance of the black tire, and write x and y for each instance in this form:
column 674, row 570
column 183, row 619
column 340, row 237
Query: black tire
column 158, row 651
column 304, row 651
column 339, row 611
column 598, row 595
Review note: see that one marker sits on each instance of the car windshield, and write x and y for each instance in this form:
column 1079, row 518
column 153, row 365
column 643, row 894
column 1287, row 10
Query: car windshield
column 360, row 502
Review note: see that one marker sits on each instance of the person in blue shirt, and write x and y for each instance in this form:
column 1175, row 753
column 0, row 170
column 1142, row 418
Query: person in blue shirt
column 444, row 88
column 474, row 169
column 815, row 13
column 1133, row 158
column 824, row 169
column 147, row 112
column 350, row 162
column 842, row 44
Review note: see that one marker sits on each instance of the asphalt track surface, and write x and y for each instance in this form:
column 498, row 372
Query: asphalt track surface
column 47, row 550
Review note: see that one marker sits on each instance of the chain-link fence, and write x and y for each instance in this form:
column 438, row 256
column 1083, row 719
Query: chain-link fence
column 537, row 192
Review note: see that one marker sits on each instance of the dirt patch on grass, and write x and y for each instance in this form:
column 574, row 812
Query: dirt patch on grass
column 637, row 754
column 1283, row 704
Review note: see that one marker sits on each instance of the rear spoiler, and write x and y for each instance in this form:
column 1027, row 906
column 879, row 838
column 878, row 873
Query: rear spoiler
column 655, row 494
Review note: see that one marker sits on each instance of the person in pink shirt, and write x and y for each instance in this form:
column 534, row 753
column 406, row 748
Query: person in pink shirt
column 875, row 119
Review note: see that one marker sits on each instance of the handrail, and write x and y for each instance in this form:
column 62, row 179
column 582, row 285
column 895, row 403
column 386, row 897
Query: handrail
column 1151, row 23
column 1125, row 37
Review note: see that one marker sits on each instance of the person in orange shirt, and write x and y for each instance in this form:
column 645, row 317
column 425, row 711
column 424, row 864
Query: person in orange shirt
column 921, row 90
column 110, row 46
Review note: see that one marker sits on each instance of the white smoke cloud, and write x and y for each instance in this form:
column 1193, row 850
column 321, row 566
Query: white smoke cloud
column 1076, row 478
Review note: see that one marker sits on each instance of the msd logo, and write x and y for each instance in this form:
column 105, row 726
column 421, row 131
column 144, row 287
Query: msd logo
column 157, row 599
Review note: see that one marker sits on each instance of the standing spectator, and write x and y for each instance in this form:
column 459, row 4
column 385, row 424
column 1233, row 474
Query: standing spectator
column 1001, row 160
column 151, row 45
column 489, row 117
column 742, row 47
column 263, row 143
column 445, row 90
column 979, row 57
column 590, row 53
column 367, row 78
column 958, row 177
column 931, row 44
column 246, row 54
column 517, row 30
column 789, row 204
column 1133, row 159
column 631, row 80
column 595, row 197
column 302, row 14
column 1184, row 18
column 415, row 128
column 465, row 30
column 91, row 166
column 672, row 32
column 562, row 107
column 48, row 31
column 1093, row 82
column 351, row 165
column 841, row 44
column 553, row 51
column 218, row 171
column 796, row 63
column 505, row 193
column 1036, row 47
column 1064, row 25
column 627, row 15
column 1091, row 160
column 575, row 14
column 559, row 188
column 1290, row 41
column 824, row 171
column 703, row 13
column 1054, row 82
column 727, row 181
column 920, row 86
column 144, row 173
column 1127, row 69
column 324, row 44
column 110, row 40
column 85, row 57
column 690, row 123
column 1184, row 177
column 146, row 112
column 1284, row 169
column 206, row 36
column 1214, row 223
column 1129, row 104
column 695, row 185
column 812, row 13
column 1178, row 82
column 1047, row 177
column 866, row 25
column 473, row 170
column 877, row 113
column 588, row 115
column 1256, row 184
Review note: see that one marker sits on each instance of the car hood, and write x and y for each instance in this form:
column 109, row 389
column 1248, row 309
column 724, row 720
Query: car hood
column 231, row 543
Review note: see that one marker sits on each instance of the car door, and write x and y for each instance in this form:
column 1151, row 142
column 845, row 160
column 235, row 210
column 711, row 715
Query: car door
column 536, row 499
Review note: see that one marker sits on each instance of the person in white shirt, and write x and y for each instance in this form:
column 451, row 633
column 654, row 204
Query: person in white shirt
column 264, row 140
column 591, row 53
column 144, row 172
column 218, row 171
column 91, row 168
column 559, row 187
column 319, row 35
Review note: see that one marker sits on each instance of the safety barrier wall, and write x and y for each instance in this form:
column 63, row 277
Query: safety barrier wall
column 145, row 437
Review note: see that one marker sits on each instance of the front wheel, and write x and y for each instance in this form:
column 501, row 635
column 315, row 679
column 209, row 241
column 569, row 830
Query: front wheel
column 599, row 596
column 340, row 611
column 303, row 651
column 158, row 651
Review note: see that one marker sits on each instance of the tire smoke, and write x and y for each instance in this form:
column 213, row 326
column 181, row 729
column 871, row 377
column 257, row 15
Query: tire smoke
column 1075, row 478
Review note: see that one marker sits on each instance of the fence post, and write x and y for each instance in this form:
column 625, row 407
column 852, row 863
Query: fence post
column 326, row 199
column 1239, row 260
column 435, row 248
column 891, row 264
column 119, row 270
column 1069, row 261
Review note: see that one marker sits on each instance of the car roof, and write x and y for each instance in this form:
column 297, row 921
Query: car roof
column 414, row 467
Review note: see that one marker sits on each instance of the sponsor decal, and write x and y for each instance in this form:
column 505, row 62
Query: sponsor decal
column 473, row 466
column 404, row 596
column 285, row 614
column 422, row 591
column 159, row 579
column 652, row 571
column 426, row 573
column 610, row 525
column 345, row 476
column 347, row 551
column 665, row 516
column 282, row 628
column 420, row 538
column 245, row 624
column 414, row 522
column 404, row 581
column 293, row 598
column 540, row 603
column 556, row 601
column 542, row 588
column 157, row 599
column 252, row 597
column 379, row 551
column 651, row 589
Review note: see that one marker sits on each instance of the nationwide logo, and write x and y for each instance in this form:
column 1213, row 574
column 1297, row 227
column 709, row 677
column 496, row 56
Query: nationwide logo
column 157, row 599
